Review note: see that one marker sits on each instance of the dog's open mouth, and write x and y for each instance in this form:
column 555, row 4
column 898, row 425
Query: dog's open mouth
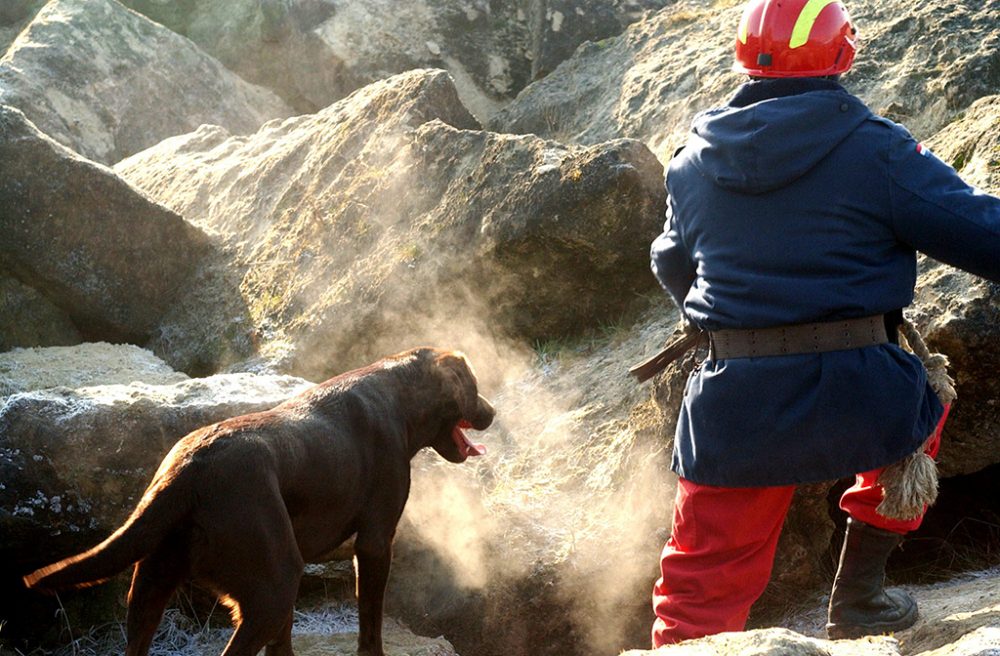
column 465, row 446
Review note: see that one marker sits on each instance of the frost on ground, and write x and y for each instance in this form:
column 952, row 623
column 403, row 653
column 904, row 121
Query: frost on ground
column 84, row 365
column 181, row 635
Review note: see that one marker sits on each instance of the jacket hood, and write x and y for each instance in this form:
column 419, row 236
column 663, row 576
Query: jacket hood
column 773, row 132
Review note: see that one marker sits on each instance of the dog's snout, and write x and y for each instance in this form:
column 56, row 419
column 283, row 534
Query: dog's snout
column 484, row 414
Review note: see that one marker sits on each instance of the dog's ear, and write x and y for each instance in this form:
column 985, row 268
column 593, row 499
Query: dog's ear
column 461, row 382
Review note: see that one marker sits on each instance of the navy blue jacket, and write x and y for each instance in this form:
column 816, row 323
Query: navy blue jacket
column 794, row 204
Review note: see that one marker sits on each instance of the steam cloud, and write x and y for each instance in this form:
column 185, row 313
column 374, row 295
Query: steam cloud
column 574, row 491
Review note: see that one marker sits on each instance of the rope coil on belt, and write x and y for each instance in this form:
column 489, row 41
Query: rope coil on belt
column 908, row 485
column 912, row 483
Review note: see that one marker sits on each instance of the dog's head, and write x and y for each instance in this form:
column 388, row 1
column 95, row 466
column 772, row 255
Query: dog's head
column 462, row 407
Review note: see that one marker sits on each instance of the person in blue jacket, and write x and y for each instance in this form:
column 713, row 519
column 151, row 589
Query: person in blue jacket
column 793, row 220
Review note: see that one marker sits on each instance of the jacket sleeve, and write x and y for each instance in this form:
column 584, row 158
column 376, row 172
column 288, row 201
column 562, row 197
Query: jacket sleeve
column 937, row 213
column 670, row 261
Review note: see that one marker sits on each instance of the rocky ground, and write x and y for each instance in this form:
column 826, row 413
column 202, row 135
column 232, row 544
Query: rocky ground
column 178, row 248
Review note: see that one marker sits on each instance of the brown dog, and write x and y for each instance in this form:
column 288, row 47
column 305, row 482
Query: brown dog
column 239, row 506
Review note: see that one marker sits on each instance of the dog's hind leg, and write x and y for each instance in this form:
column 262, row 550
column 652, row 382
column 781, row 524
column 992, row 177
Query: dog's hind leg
column 258, row 565
column 155, row 578
column 265, row 620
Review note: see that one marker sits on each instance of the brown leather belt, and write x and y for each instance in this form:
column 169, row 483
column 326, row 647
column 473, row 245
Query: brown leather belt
column 798, row 339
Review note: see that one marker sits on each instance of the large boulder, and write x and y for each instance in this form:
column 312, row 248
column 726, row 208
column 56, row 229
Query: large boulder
column 28, row 319
column 388, row 219
column 485, row 52
column 271, row 44
column 649, row 82
column 105, row 254
column 315, row 52
column 108, row 82
column 76, row 460
column 492, row 49
column 83, row 365
column 557, row 27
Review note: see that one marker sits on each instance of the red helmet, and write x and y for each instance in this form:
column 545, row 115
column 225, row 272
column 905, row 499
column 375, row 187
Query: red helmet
column 794, row 38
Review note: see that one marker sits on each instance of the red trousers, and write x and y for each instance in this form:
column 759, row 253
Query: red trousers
column 718, row 559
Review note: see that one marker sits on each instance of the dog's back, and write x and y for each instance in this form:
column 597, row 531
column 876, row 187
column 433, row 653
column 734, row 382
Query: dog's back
column 240, row 505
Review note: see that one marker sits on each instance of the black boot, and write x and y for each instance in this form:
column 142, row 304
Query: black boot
column 859, row 605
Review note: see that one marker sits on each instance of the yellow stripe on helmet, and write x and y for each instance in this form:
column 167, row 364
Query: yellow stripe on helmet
column 804, row 23
column 741, row 33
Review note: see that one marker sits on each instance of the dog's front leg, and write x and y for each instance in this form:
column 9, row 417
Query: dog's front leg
column 373, row 572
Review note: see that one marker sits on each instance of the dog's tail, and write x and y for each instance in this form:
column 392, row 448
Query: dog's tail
column 161, row 507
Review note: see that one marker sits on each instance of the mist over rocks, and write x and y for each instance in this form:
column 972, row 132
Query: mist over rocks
column 358, row 227
column 922, row 66
column 108, row 82
column 550, row 543
column 106, row 255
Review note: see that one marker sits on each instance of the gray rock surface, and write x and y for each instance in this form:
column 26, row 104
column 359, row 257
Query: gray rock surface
column 14, row 15
column 485, row 52
column 922, row 66
column 272, row 44
column 492, row 49
column 315, row 52
column 361, row 225
column 75, row 461
column 27, row 318
column 107, row 82
column 14, row 12
column 83, row 365
column 85, row 239
column 557, row 27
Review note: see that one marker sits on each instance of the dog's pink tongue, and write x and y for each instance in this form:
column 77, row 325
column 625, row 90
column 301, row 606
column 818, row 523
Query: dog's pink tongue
column 466, row 446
